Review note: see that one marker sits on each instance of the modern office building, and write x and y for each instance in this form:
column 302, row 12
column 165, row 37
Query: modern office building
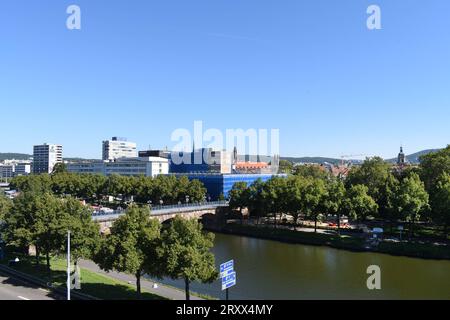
column 6, row 171
column 203, row 160
column 142, row 166
column 221, row 184
column 45, row 157
column 118, row 148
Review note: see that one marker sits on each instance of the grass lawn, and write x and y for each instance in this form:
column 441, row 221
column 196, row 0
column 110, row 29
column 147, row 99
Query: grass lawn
column 92, row 283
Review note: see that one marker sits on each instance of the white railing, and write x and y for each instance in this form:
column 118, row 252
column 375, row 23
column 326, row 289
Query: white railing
column 165, row 209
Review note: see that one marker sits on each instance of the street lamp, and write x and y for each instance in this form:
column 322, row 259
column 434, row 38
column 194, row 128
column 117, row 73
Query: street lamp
column 68, row 265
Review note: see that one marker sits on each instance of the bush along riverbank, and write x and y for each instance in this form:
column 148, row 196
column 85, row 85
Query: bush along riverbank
column 355, row 243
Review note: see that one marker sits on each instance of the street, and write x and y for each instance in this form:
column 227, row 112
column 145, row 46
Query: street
column 14, row 289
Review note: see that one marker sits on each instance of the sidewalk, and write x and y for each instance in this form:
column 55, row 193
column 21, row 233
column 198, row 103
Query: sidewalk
column 146, row 285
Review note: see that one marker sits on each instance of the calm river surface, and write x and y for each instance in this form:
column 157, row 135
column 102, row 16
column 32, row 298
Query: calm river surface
column 274, row 270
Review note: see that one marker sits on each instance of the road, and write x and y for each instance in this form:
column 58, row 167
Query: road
column 14, row 289
column 162, row 290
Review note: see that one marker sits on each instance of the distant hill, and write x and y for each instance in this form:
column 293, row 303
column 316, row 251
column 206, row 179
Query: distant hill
column 320, row 160
column 17, row 156
column 415, row 157
column 412, row 158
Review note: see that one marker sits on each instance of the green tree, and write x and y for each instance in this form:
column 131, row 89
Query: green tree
column 185, row 251
column 358, row 203
column 433, row 167
column 50, row 225
column 5, row 206
column 272, row 197
column 335, row 198
column 196, row 191
column 257, row 202
column 59, row 168
column 239, row 197
column 85, row 233
column 412, row 199
column 311, row 171
column 36, row 219
column 33, row 183
column 131, row 246
column 295, row 190
column 285, row 166
column 373, row 173
column 441, row 201
column 313, row 200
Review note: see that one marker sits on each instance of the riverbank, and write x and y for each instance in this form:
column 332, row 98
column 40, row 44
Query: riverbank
column 344, row 242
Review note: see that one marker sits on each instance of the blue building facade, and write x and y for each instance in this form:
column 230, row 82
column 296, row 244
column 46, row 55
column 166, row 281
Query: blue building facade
column 218, row 184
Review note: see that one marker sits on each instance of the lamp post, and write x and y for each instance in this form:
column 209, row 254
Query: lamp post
column 68, row 265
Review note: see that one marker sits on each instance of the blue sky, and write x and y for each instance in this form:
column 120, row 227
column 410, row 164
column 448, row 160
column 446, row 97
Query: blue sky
column 141, row 69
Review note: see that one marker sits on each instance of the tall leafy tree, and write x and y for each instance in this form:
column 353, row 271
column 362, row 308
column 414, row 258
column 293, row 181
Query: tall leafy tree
column 313, row 200
column 412, row 199
column 273, row 197
column 374, row 174
column 196, row 191
column 37, row 219
column 441, row 202
column 335, row 198
column 239, row 196
column 186, row 253
column 85, row 233
column 358, row 203
column 295, row 186
column 131, row 246
column 433, row 167
column 50, row 225
column 258, row 203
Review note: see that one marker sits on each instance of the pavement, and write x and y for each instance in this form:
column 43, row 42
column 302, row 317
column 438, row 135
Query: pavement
column 15, row 289
column 146, row 285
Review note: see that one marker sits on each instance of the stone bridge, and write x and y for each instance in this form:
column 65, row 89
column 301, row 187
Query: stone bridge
column 165, row 213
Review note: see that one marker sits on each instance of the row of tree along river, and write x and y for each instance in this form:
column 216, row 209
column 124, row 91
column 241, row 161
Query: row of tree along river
column 275, row 270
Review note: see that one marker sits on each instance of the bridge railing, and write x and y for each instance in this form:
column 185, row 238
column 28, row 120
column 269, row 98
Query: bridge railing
column 155, row 209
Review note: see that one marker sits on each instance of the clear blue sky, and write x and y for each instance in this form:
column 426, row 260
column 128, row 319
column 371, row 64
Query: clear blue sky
column 141, row 69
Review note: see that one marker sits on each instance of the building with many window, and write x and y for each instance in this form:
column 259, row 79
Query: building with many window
column 45, row 157
column 142, row 166
column 218, row 185
column 204, row 160
column 118, row 148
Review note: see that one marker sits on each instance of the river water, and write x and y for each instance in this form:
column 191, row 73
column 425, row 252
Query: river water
column 275, row 270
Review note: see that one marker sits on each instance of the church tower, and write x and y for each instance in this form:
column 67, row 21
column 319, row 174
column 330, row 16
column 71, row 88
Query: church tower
column 401, row 157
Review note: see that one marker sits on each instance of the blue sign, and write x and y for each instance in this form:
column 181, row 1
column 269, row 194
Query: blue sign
column 226, row 268
column 229, row 280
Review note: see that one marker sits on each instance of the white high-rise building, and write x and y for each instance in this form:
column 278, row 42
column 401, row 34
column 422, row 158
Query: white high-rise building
column 45, row 157
column 119, row 148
